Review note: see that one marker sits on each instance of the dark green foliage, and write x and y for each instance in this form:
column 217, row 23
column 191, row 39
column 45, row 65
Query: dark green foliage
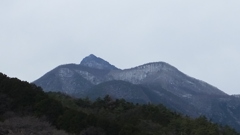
column 85, row 103
column 93, row 131
column 72, row 121
column 49, row 107
column 104, row 116
column 5, row 103
column 64, row 99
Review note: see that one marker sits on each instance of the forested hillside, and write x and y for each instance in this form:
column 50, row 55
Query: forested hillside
column 26, row 109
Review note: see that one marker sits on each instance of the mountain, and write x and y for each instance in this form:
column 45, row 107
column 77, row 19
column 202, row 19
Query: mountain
column 157, row 83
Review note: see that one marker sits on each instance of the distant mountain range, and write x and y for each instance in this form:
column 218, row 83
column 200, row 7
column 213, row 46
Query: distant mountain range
column 157, row 83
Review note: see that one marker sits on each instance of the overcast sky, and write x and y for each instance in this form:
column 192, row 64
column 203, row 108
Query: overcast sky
column 199, row 37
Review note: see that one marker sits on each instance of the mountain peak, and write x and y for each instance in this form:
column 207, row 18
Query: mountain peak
column 92, row 56
column 93, row 61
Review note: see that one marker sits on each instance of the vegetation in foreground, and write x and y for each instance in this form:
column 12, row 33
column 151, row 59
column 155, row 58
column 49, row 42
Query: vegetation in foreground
column 26, row 109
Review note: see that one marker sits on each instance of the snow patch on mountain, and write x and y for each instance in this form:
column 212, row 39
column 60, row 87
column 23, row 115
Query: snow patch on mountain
column 138, row 74
column 65, row 72
column 187, row 95
column 88, row 76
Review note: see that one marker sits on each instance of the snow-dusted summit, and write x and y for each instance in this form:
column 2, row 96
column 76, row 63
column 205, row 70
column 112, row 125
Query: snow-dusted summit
column 141, row 74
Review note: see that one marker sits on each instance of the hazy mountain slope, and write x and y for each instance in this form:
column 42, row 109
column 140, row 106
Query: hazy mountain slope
column 118, row 90
column 226, row 110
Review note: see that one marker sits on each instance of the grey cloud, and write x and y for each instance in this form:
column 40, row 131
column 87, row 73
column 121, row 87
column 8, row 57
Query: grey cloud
column 201, row 38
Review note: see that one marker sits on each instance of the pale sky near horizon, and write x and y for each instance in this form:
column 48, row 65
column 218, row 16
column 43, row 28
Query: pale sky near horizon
column 201, row 38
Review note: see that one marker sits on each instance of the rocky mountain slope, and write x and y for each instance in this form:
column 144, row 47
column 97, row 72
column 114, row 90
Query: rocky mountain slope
column 155, row 83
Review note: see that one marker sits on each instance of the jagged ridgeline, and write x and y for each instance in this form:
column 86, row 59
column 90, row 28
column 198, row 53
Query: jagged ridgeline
column 26, row 109
column 156, row 83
